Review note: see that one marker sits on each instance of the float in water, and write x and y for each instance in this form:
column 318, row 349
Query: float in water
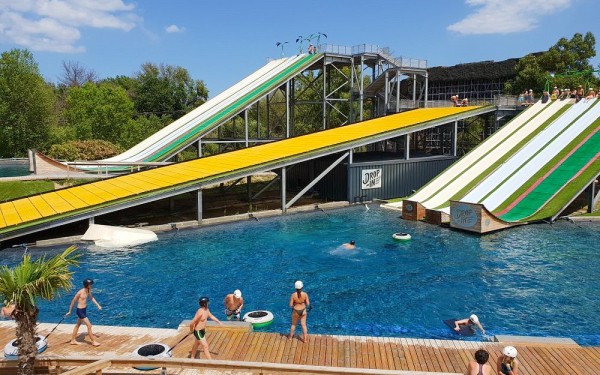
column 11, row 350
column 259, row 318
column 151, row 351
column 401, row 236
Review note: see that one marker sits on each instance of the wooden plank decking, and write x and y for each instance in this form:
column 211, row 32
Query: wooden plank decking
column 449, row 356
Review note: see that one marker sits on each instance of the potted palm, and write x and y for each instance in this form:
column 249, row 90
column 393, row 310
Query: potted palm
column 22, row 285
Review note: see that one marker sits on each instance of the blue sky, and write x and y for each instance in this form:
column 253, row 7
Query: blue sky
column 221, row 42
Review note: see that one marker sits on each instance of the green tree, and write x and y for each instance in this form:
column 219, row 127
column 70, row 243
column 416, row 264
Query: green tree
column 99, row 111
column 26, row 104
column 23, row 285
column 166, row 90
column 569, row 60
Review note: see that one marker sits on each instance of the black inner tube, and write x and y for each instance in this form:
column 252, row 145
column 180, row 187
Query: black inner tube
column 258, row 314
column 150, row 349
column 18, row 342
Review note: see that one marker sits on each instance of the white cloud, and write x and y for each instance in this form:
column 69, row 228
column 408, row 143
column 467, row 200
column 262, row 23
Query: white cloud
column 174, row 29
column 54, row 25
column 504, row 17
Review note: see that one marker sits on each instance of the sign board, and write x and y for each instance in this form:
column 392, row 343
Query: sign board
column 371, row 178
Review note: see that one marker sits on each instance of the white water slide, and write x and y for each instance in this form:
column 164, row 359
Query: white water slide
column 440, row 190
column 176, row 136
column 502, row 183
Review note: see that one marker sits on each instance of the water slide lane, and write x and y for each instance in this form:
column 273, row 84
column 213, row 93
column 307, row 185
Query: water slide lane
column 528, row 162
column 239, row 105
column 499, row 176
column 204, row 119
column 495, row 153
column 585, row 155
column 451, row 173
column 193, row 115
column 72, row 201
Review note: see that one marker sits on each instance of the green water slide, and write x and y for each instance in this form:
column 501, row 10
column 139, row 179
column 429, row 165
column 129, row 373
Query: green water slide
column 207, row 117
column 571, row 174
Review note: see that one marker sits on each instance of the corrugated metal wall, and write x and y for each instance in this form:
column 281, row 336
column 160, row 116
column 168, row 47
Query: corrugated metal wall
column 398, row 178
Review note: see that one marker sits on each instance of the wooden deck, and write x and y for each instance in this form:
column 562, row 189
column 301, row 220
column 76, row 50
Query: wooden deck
column 235, row 344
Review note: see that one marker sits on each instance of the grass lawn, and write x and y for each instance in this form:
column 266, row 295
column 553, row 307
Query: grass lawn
column 16, row 189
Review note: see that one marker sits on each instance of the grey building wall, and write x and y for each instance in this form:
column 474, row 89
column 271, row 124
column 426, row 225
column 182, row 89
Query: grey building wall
column 398, row 178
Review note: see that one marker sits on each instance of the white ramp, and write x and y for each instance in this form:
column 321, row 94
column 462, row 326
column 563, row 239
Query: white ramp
column 495, row 151
column 526, row 164
column 502, row 173
column 109, row 236
column 469, row 159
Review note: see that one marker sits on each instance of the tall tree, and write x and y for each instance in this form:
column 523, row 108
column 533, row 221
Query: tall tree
column 76, row 75
column 99, row 111
column 166, row 90
column 22, row 285
column 26, row 104
column 568, row 60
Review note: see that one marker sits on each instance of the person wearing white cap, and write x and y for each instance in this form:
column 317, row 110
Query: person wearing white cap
column 234, row 303
column 300, row 304
column 469, row 322
column 507, row 363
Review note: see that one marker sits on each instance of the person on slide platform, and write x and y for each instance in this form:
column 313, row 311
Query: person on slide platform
column 471, row 321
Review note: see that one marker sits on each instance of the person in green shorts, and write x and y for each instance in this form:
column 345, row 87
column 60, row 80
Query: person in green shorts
column 198, row 327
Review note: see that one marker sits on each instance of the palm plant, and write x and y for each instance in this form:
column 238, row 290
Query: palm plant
column 281, row 44
column 300, row 39
column 319, row 35
column 27, row 282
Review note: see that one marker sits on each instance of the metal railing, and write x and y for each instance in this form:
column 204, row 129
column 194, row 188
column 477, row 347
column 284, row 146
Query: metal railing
column 402, row 62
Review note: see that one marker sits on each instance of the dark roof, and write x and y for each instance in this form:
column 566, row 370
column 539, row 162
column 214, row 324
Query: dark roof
column 488, row 70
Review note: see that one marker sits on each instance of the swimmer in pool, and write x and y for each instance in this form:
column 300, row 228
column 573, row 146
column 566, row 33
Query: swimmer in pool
column 470, row 322
column 350, row 246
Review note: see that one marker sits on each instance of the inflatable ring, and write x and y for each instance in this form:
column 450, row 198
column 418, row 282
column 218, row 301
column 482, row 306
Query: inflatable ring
column 11, row 350
column 401, row 236
column 259, row 318
column 152, row 351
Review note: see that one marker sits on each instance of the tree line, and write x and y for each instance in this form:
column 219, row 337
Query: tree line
column 82, row 117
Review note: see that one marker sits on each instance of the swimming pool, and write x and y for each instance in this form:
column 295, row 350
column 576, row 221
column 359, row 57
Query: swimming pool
column 14, row 167
column 538, row 280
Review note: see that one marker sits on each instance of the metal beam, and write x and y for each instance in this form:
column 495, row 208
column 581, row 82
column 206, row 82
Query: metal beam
column 313, row 182
column 283, row 188
column 199, row 205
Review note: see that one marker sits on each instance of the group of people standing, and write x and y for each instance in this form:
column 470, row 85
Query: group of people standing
column 299, row 304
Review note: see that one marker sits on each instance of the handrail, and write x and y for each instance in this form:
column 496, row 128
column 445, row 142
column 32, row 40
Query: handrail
column 88, row 364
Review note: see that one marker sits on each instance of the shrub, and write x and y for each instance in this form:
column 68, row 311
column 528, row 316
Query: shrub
column 84, row 150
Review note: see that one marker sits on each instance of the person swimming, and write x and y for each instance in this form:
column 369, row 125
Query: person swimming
column 350, row 246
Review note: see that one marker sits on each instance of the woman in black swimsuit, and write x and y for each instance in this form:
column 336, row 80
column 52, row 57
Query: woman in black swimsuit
column 299, row 302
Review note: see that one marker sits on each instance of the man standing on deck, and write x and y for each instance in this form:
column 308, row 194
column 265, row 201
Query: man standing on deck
column 81, row 298
column 198, row 327
column 233, row 305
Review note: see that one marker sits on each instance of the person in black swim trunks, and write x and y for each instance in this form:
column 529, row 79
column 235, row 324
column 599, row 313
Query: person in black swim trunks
column 81, row 298
column 299, row 303
column 198, row 327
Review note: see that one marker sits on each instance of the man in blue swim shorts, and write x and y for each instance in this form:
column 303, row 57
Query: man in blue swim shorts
column 81, row 297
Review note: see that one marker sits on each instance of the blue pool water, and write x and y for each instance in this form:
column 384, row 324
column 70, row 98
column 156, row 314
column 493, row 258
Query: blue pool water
column 538, row 280
column 12, row 168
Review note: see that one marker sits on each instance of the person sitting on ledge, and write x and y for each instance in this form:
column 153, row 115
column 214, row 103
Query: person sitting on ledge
column 454, row 99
